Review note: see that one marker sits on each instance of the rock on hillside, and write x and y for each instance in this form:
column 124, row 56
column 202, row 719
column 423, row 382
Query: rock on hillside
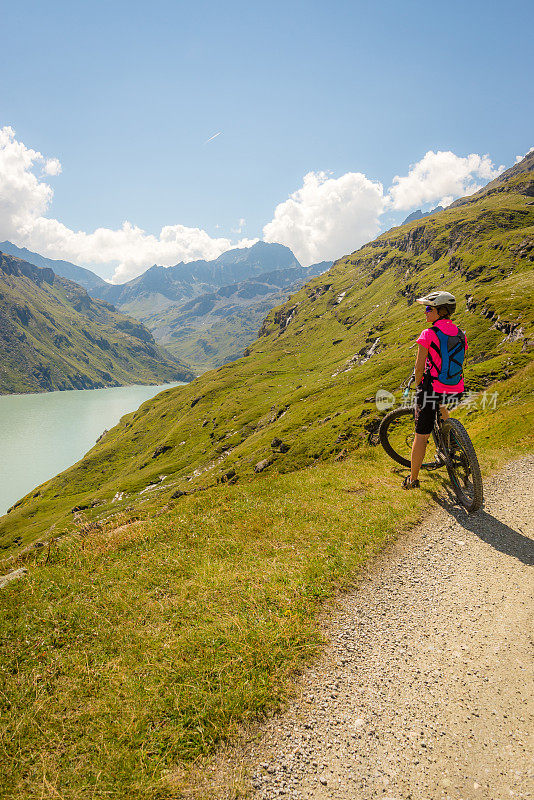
column 305, row 390
column 53, row 335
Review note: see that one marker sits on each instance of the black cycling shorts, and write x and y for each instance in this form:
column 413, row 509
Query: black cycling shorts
column 426, row 407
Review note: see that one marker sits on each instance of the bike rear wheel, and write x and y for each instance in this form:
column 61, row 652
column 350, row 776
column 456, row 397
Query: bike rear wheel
column 462, row 465
column 397, row 432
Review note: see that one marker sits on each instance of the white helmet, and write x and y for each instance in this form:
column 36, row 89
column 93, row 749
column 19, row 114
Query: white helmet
column 439, row 299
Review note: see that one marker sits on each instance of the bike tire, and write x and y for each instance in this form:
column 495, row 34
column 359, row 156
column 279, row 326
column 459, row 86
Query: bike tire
column 462, row 464
column 384, row 433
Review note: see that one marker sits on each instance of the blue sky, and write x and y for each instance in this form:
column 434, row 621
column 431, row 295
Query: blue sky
column 126, row 94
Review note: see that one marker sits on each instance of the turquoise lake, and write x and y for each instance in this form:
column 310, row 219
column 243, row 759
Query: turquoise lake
column 43, row 434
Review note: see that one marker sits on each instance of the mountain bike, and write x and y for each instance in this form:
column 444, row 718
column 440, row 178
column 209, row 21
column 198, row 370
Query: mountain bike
column 449, row 446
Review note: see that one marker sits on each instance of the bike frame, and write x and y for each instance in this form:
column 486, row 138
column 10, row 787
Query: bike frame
column 438, row 429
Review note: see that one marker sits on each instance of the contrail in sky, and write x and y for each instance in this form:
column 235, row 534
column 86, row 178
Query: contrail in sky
column 213, row 137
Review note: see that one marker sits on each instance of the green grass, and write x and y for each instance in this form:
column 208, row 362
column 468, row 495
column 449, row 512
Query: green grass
column 131, row 651
column 53, row 336
column 137, row 645
column 208, row 345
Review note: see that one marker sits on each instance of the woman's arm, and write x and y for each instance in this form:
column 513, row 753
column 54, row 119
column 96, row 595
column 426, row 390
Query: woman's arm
column 420, row 362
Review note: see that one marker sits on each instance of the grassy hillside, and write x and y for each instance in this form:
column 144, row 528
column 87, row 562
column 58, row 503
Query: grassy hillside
column 130, row 653
column 54, row 336
column 309, row 375
column 211, row 341
column 131, row 648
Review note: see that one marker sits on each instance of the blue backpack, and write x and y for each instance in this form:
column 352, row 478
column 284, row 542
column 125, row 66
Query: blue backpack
column 452, row 352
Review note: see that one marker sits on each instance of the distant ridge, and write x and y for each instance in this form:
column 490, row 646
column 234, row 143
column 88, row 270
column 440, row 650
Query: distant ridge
column 207, row 312
column 80, row 275
column 164, row 286
column 216, row 327
column 420, row 214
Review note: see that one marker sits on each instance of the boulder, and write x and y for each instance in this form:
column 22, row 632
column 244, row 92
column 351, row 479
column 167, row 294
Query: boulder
column 227, row 477
column 163, row 448
column 261, row 465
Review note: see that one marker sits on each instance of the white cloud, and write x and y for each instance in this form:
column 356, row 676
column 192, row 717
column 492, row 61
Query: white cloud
column 239, row 227
column 440, row 177
column 520, row 158
column 131, row 246
column 52, row 166
column 327, row 217
column 22, row 195
column 324, row 219
column 25, row 199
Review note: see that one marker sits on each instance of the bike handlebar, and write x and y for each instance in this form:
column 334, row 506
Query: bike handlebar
column 406, row 385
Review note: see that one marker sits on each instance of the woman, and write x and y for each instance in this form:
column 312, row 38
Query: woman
column 438, row 373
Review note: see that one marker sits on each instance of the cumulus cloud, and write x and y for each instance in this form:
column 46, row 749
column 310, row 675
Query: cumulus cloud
column 22, row 195
column 440, row 177
column 322, row 220
column 25, row 199
column 52, row 166
column 131, row 246
column 327, row 217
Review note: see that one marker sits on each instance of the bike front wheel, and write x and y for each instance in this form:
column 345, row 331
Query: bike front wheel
column 397, row 433
column 462, row 465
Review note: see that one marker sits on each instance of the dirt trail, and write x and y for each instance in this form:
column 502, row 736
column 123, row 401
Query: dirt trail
column 425, row 690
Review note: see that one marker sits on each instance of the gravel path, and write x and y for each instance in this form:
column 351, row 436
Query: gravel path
column 425, row 690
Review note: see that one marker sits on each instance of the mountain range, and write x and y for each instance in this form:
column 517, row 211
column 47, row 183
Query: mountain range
column 304, row 392
column 208, row 312
column 159, row 287
column 216, row 327
column 205, row 312
column 53, row 335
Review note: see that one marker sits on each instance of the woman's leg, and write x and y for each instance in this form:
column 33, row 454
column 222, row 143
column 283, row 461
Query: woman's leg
column 418, row 453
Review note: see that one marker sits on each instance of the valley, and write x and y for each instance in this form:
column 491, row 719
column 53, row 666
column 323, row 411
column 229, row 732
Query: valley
column 54, row 336
column 309, row 380
column 176, row 575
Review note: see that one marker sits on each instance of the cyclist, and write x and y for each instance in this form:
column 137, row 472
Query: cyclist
column 438, row 373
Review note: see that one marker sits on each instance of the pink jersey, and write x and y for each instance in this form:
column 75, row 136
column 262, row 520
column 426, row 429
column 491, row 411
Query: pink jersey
column 428, row 337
